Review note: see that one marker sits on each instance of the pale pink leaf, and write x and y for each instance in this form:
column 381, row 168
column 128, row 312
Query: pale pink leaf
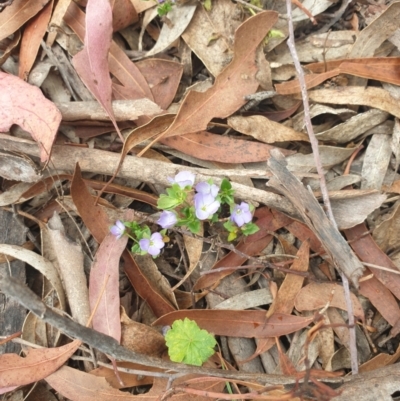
column 104, row 285
column 92, row 62
column 24, row 104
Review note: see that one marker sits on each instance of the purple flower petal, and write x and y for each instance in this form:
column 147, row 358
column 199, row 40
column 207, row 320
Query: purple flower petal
column 205, row 188
column 153, row 245
column 241, row 214
column 118, row 229
column 184, row 178
column 205, row 205
column 167, row 219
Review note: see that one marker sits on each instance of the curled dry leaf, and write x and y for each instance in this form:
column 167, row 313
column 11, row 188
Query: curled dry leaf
column 247, row 324
column 37, row 365
column 25, row 105
column 141, row 338
column 318, row 295
column 265, row 130
column 68, row 258
column 39, row 263
column 14, row 16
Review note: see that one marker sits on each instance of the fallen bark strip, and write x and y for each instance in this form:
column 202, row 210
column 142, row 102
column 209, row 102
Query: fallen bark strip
column 314, row 216
column 124, row 110
column 64, row 158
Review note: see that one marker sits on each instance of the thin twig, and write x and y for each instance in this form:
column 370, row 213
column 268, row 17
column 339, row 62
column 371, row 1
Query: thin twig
column 324, row 189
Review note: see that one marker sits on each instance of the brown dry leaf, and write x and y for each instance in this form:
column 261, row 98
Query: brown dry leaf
column 124, row 14
column 163, row 77
column 385, row 69
column 380, row 29
column 68, row 258
column 232, row 323
column 251, row 245
column 37, row 365
column 30, row 43
column 194, row 248
column 56, row 19
column 318, row 295
column 158, row 303
column 223, row 149
column 141, row 338
column 179, row 18
column 386, row 234
column 77, row 386
column 210, row 35
column 285, row 298
column 265, row 130
column 129, row 380
column 93, row 215
column 369, row 252
column 373, row 97
column 315, row 217
column 379, row 361
column 354, row 126
column 14, row 16
column 237, row 80
column 376, row 161
column 39, row 263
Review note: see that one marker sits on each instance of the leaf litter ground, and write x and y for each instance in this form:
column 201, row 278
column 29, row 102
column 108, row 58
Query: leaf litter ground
column 175, row 89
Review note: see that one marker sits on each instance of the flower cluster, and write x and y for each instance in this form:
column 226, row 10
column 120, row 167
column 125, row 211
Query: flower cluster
column 186, row 206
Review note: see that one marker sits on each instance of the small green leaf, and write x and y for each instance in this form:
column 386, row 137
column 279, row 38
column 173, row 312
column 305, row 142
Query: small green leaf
column 225, row 185
column 166, row 202
column 249, row 228
column 164, row 9
column 207, row 5
column 189, row 344
column 194, row 226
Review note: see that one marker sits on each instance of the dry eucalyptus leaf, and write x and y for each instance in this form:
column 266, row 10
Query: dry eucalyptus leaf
column 265, row 130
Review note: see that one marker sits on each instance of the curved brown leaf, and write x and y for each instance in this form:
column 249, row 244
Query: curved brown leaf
column 15, row 15
column 207, row 146
column 237, row 80
column 93, row 215
column 318, row 295
column 252, row 245
column 30, row 43
column 157, row 302
column 37, row 365
column 238, row 323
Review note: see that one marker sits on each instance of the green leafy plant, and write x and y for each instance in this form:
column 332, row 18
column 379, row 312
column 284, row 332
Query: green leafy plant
column 188, row 343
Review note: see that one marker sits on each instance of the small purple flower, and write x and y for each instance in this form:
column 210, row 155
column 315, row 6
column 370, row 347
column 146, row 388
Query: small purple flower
column 205, row 205
column 241, row 214
column 167, row 219
column 183, row 179
column 206, row 188
column 118, row 229
column 152, row 245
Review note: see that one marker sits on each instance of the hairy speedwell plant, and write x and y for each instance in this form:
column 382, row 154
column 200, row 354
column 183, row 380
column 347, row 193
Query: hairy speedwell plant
column 185, row 206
